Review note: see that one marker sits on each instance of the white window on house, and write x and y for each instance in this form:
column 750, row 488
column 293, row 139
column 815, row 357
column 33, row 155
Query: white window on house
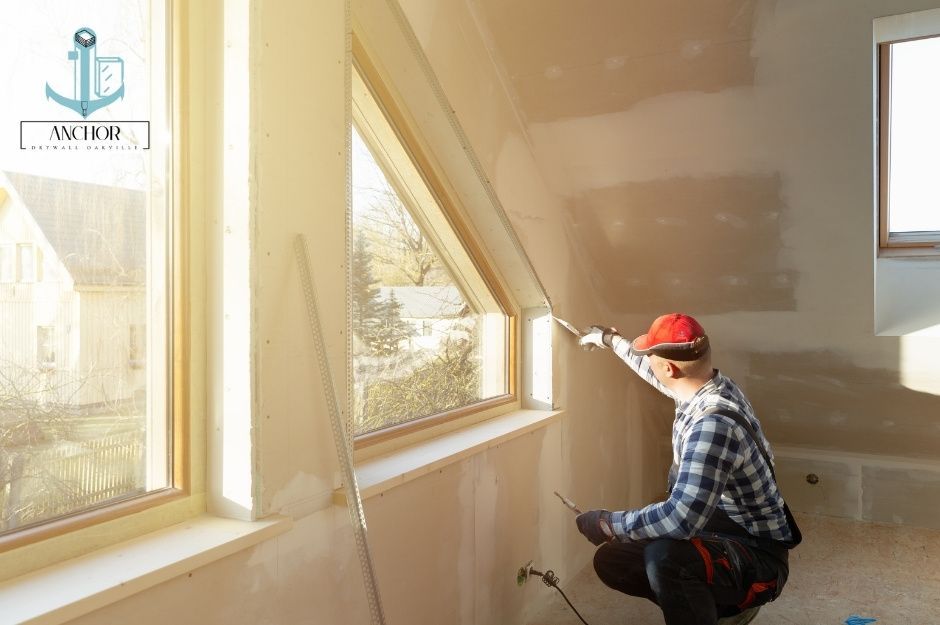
column 26, row 262
column 7, row 263
column 411, row 272
column 909, row 145
column 90, row 433
column 45, row 347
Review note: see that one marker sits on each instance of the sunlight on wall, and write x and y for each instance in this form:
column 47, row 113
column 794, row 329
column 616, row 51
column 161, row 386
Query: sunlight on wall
column 917, row 360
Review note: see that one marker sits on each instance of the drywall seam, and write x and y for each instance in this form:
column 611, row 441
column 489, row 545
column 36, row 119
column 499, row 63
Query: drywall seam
column 502, row 76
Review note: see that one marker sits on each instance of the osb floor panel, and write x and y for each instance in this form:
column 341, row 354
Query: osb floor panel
column 843, row 569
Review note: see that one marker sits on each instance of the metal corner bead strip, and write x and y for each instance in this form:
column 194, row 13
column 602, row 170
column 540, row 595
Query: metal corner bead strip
column 340, row 435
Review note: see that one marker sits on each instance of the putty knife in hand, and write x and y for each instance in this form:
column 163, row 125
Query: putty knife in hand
column 578, row 333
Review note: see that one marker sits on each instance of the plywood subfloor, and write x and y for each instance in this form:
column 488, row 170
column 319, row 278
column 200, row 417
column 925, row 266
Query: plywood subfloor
column 843, row 568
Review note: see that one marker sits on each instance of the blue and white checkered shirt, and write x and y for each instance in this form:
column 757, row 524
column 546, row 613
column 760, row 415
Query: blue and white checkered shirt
column 719, row 465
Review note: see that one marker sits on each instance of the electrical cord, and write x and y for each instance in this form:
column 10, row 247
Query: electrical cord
column 550, row 579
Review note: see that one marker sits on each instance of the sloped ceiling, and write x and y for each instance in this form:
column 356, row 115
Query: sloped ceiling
column 573, row 59
column 642, row 115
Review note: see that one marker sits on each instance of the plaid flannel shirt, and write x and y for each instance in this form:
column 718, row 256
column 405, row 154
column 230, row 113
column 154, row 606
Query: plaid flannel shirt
column 719, row 465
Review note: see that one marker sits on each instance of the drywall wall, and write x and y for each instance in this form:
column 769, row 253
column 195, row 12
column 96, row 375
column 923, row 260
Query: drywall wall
column 446, row 545
column 745, row 196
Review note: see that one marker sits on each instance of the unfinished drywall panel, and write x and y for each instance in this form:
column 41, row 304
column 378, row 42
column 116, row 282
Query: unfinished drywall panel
column 510, row 490
column 568, row 63
column 674, row 135
column 309, row 576
column 820, row 399
column 300, row 181
column 819, row 485
column 422, row 541
column 897, row 495
column 708, row 245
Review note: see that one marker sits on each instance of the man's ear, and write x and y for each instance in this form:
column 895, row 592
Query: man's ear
column 672, row 370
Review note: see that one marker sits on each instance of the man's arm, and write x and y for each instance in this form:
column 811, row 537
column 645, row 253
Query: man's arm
column 708, row 458
column 640, row 364
column 609, row 337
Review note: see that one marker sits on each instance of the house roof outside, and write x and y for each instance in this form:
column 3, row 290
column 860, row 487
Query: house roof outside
column 426, row 302
column 99, row 232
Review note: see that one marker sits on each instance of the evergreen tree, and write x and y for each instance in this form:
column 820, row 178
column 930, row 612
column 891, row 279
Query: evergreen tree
column 390, row 329
column 376, row 321
column 366, row 303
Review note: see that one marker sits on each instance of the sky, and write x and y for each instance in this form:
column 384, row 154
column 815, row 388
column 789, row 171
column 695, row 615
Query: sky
column 915, row 136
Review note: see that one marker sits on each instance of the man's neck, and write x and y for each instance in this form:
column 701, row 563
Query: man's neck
column 686, row 388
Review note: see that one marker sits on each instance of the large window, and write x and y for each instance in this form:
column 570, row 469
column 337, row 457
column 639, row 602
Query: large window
column 430, row 339
column 85, row 235
column 910, row 145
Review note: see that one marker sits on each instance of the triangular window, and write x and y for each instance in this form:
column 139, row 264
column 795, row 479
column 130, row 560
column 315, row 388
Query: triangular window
column 429, row 336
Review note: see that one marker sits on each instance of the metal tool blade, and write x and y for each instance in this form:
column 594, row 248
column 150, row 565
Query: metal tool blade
column 567, row 326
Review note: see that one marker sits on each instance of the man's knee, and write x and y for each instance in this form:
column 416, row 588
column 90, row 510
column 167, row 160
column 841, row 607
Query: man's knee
column 665, row 558
column 604, row 563
column 620, row 566
column 660, row 553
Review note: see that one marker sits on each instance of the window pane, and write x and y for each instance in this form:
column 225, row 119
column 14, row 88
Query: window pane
column 914, row 186
column 416, row 339
column 83, row 416
column 7, row 263
column 27, row 260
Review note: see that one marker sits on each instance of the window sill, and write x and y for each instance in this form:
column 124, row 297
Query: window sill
column 65, row 591
column 910, row 252
column 377, row 475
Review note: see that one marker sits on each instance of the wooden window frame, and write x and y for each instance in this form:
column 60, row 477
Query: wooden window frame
column 449, row 205
column 178, row 326
column 906, row 244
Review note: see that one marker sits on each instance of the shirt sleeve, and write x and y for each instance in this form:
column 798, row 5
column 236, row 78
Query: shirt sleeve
column 709, row 455
column 641, row 364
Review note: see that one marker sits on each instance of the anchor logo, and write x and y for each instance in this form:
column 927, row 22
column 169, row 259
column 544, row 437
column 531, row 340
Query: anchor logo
column 108, row 80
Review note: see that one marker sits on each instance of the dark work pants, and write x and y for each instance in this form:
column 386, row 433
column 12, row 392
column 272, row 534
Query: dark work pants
column 695, row 581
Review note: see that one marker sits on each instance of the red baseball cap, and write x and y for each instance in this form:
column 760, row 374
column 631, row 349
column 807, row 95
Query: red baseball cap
column 674, row 337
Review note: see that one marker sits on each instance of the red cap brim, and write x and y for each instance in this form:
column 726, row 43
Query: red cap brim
column 641, row 343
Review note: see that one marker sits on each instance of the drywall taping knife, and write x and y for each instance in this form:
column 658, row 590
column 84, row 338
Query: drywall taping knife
column 343, row 448
column 578, row 333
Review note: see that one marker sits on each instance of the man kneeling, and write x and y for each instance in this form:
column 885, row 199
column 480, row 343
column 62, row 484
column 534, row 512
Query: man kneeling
column 717, row 547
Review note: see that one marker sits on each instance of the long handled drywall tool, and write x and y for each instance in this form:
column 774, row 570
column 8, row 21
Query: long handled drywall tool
column 343, row 446
column 568, row 502
column 574, row 508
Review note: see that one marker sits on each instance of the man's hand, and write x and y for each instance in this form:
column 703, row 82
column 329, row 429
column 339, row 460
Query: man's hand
column 595, row 525
column 597, row 336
